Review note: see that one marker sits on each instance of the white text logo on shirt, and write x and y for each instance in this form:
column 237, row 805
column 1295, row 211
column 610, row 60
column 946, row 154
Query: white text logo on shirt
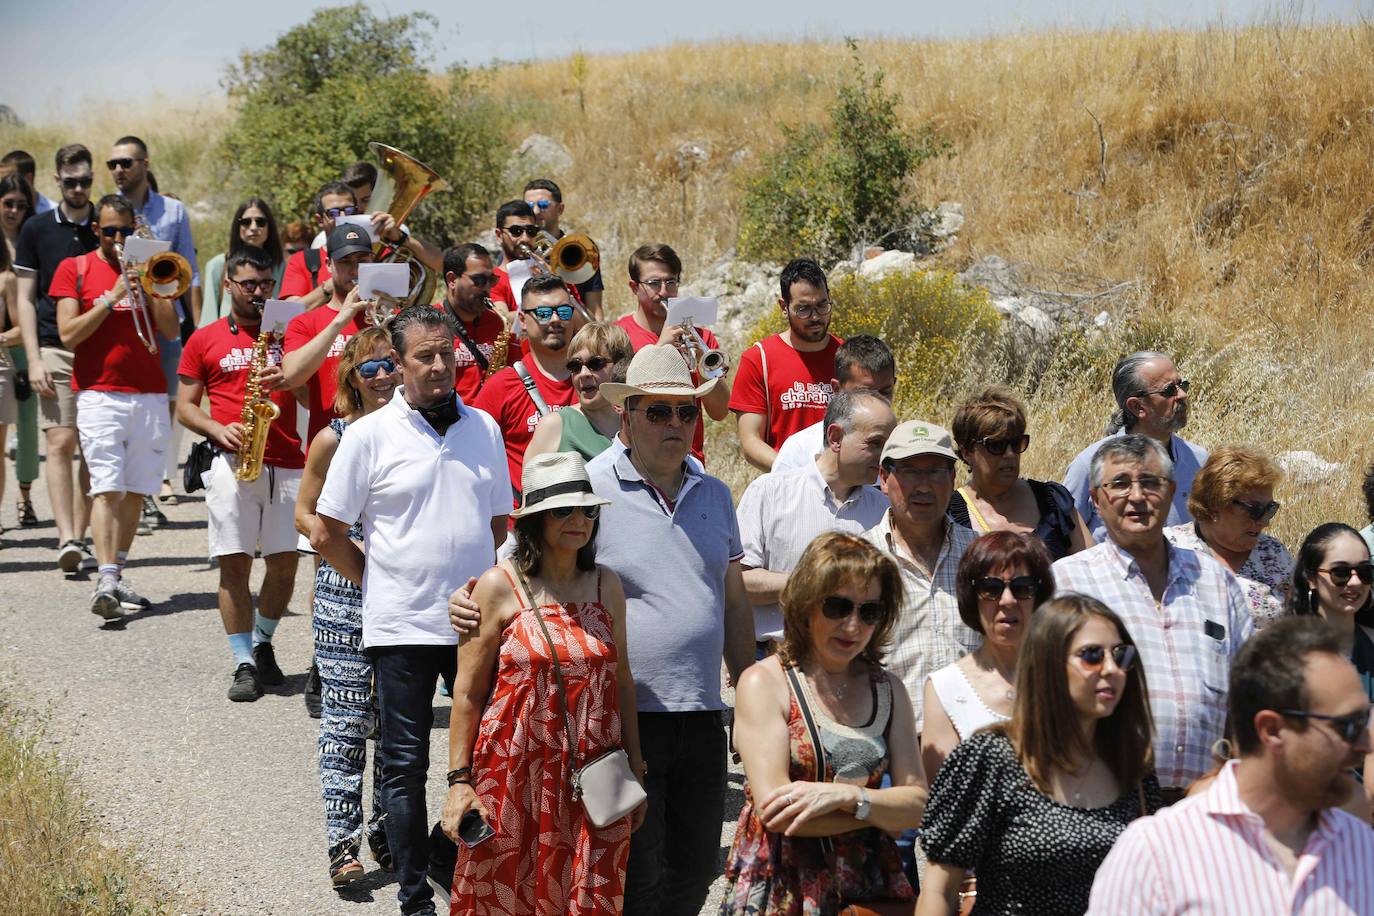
column 808, row 394
column 240, row 358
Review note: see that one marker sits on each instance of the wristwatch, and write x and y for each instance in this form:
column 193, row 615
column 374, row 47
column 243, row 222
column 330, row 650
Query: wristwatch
column 863, row 806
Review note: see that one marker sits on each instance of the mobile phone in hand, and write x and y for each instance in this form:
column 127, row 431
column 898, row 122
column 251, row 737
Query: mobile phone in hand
column 472, row 829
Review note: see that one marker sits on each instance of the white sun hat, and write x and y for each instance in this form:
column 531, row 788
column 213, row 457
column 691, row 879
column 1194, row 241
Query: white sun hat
column 555, row 479
column 656, row 370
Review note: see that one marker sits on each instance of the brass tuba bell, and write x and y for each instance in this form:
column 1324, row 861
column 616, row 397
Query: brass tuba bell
column 402, row 182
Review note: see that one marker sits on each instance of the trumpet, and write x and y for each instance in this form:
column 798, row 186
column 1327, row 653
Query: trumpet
column 709, row 362
column 166, row 276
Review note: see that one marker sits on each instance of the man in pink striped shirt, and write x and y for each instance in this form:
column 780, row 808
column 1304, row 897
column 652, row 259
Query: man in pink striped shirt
column 1268, row 836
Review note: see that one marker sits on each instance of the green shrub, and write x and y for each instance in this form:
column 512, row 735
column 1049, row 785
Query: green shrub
column 824, row 191
column 308, row 105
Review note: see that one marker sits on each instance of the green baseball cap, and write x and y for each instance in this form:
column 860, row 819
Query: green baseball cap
column 917, row 437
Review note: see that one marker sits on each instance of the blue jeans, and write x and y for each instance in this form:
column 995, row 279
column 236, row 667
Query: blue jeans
column 674, row 856
column 406, row 676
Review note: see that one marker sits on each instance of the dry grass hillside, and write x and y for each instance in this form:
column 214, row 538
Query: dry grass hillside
column 1233, row 194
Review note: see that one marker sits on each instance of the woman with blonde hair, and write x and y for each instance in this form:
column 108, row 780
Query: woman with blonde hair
column 367, row 378
column 589, row 425
column 818, row 725
column 1232, row 502
column 1033, row 805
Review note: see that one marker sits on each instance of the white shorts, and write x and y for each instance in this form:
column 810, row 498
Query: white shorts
column 124, row 438
column 251, row 517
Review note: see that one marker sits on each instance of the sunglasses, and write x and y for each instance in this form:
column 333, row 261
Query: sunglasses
column 371, row 367
column 544, row 313
column 837, row 607
column 247, row 222
column 1093, row 657
column 71, row 184
column 480, row 279
column 15, row 204
column 991, row 587
column 1258, row 512
column 111, row 231
column 1000, row 446
column 595, row 364
column 1168, row 390
column 1340, row 572
column 588, row 512
column 540, row 204
column 659, row 414
column 336, row 212
column 1349, row 727
column 659, row 286
column 518, row 231
column 255, row 286
column 125, row 163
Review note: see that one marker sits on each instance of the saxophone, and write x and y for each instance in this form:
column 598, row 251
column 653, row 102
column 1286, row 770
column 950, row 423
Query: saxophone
column 258, row 414
column 499, row 349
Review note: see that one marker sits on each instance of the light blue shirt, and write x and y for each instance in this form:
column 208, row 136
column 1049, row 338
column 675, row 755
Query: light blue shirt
column 169, row 223
column 1188, row 459
column 41, row 204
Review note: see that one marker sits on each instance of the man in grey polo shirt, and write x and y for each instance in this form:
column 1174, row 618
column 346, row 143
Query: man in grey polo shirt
column 781, row 512
column 670, row 534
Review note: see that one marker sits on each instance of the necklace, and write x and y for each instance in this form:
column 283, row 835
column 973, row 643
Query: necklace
column 984, row 665
column 836, row 689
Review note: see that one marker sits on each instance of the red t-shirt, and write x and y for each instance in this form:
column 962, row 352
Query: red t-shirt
column 296, row 280
column 113, row 358
column 322, row 385
column 510, row 405
column 501, row 289
column 796, row 391
column 483, row 332
column 640, row 338
column 219, row 359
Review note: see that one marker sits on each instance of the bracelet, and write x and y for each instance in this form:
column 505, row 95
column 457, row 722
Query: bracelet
column 105, row 302
column 461, row 775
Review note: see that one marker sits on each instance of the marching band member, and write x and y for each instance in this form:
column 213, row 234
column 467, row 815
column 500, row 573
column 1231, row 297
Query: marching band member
column 121, row 395
column 308, row 276
column 546, row 201
column 515, row 226
column 246, row 516
column 477, row 327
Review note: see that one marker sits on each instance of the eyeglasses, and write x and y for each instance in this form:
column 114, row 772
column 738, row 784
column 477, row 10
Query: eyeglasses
column 246, row 222
column 659, row 414
column 371, row 367
column 540, row 204
column 1093, row 657
column 1258, row 512
column 1168, row 390
column 255, row 286
column 991, row 587
column 595, row 364
column 544, row 313
column 910, row 475
column 71, row 184
column 1000, row 446
column 588, row 512
column 1349, row 727
column 1149, row 484
column 837, row 607
column 1340, row 572
column 125, row 163
column 819, row 310
column 659, row 286
column 517, row 231
column 111, row 231
column 15, row 204
column 336, row 212
column 480, row 279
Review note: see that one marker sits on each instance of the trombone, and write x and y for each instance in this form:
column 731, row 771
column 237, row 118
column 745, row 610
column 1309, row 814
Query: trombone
column 573, row 259
column 166, row 275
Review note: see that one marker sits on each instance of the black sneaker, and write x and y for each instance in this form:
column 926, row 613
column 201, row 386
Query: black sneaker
column 246, row 688
column 269, row 672
column 313, row 692
column 381, row 849
column 152, row 514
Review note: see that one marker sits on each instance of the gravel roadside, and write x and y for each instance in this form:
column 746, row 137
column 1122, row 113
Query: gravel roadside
column 219, row 799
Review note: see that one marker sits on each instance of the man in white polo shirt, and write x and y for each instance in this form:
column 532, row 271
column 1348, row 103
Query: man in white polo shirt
column 781, row 512
column 427, row 477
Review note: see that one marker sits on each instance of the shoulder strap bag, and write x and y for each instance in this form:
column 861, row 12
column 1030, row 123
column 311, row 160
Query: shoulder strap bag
column 605, row 786
column 527, row 380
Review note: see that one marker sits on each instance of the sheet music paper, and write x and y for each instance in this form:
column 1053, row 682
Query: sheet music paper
column 392, row 279
column 138, row 250
column 277, row 314
column 702, row 310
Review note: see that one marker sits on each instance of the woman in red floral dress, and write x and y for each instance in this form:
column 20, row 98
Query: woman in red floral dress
column 508, row 749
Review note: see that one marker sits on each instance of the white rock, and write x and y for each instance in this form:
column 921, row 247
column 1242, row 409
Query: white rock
column 889, row 262
column 1041, row 325
column 1307, row 467
column 540, row 153
column 949, row 219
column 1102, row 320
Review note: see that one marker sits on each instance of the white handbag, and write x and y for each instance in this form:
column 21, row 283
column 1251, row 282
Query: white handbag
column 605, row 786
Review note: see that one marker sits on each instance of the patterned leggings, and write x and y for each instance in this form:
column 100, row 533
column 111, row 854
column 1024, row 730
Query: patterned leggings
column 348, row 716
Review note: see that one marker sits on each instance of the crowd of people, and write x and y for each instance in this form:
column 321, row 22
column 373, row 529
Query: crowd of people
column 955, row 688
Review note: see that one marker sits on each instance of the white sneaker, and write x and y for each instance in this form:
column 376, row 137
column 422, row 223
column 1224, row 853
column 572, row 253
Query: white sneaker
column 129, row 599
column 69, row 556
column 105, row 601
column 88, row 561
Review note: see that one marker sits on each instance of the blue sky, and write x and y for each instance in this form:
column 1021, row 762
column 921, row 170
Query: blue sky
column 185, row 45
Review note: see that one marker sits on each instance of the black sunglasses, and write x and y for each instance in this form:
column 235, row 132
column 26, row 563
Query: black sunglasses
column 1340, row 572
column 596, row 364
column 659, row 414
column 480, row 279
column 124, row 163
column 991, row 587
column 588, row 512
column 336, row 212
column 249, row 221
column 1349, row 727
column 1168, row 390
column 74, row 183
column 255, row 286
column 1000, row 446
column 371, row 367
column 837, row 607
column 518, row 231
column 1258, row 512
column 111, row 231
column 1093, row 657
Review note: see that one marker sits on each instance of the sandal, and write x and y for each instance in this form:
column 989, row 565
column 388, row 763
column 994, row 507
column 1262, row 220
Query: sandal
column 24, row 509
column 345, row 868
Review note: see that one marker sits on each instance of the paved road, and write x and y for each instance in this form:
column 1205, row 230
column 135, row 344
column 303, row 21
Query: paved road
column 220, row 799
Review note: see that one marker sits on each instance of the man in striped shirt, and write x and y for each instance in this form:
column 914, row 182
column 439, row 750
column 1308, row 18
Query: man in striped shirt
column 1185, row 611
column 1267, row 837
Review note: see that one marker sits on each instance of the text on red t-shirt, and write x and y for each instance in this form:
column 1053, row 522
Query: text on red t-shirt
column 796, row 391
column 113, row 358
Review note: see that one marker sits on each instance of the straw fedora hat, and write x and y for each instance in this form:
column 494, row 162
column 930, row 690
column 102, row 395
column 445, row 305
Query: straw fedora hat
column 656, row 370
column 555, row 479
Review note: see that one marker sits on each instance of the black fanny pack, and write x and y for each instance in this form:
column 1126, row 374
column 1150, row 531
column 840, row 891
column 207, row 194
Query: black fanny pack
column 197, row 463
